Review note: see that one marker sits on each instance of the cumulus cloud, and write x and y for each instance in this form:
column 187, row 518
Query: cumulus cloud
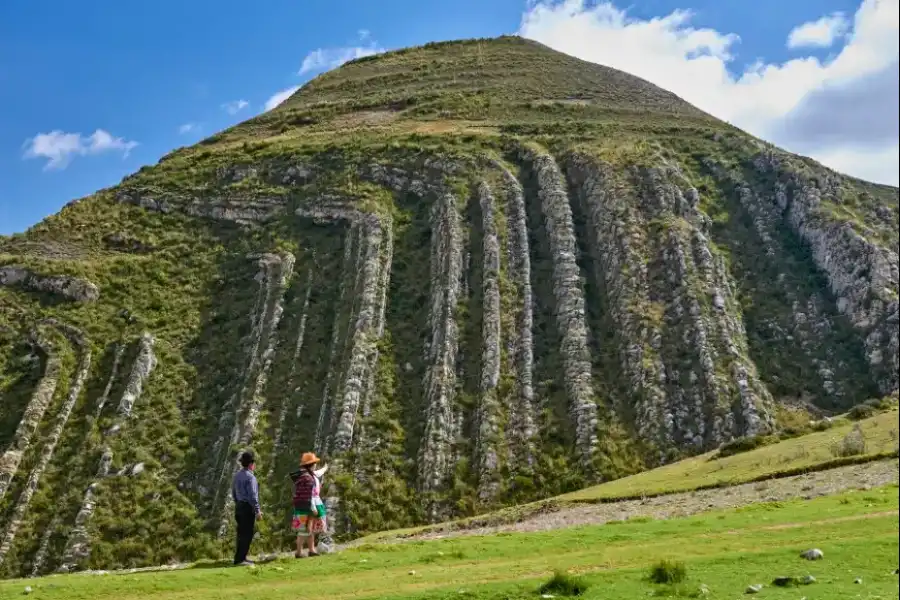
column 59, row 147
column 235, row 106
column 781, row 102
column 818, row 34
column 323, row 59
column 279, row 97
column 187, row 128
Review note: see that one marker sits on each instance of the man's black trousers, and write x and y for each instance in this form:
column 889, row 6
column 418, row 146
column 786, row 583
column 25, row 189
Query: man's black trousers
column 246, row 526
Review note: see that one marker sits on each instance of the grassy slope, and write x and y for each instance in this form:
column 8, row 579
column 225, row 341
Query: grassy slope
column 857, row 532
column 810, row 452
column 806, row 452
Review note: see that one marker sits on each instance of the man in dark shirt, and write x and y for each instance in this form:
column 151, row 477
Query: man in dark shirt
column 245, row 493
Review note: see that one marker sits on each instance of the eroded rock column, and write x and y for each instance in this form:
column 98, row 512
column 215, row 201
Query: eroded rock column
column 34, row 413
column 569, row 309
column 83, row 366
column 488, row 413
column 440, row 378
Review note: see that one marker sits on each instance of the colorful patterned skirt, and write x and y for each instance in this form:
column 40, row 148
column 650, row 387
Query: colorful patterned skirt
column 306, row 523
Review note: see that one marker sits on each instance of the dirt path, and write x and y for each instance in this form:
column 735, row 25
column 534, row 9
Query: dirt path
column 812, row 485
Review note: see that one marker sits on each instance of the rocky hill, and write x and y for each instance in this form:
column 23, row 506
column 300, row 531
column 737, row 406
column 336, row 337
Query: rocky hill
column 468, row 274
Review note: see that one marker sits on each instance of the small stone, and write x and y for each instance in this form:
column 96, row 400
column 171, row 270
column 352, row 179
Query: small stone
column 137, row 469
column 28, row 590
column 754, row 589
column 813, row 554
column 858, row 581
column 412, row 572
column 808, row 580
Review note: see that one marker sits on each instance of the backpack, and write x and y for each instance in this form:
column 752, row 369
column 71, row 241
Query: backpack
column 304, row 485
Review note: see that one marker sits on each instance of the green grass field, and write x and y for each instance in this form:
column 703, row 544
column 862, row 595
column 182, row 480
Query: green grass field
column 724, row 551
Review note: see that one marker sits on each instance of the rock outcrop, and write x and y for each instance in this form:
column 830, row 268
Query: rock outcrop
column 441, row 347
column 81, row 345
column 569, row 308
column 34, row 412
column 70, row 288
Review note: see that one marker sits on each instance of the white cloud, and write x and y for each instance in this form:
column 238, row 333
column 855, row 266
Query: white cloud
column 818, row 34
column 324, row 59
column 188, row 127
column 235, row 106
column 766, row 99
column 59, row 148
column 279, row 97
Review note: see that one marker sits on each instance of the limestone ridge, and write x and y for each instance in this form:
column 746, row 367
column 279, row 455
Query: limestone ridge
column 462, row 284
column 34, row 413
column 78, row 543
column 69, row 288
column 83, row 365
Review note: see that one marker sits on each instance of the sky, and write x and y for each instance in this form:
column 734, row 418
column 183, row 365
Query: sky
column 91, row 91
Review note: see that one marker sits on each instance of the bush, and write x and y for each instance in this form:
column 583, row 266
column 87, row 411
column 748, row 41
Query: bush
column 563, row 584
column 668, row 572
column 861, row 411
column 745, row 444
column 853, row 444
column 871, row 407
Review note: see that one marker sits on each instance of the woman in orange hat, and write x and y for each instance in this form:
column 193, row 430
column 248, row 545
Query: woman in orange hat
column 309, row 510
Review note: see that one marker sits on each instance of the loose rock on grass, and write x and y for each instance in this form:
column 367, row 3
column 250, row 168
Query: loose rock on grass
column 813, row 554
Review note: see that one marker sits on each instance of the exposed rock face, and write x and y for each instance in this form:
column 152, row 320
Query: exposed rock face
column 76, row 338
column 275, row 270
column 78, row 546
column 440, row 378
column 292, row 391
column 236, row 210
column 569, row 310
column 683, row 400
column 140, row 371
column 489, row 409
column 862, row 275
column 521, row 428
column 70, row 288
column 34, row 413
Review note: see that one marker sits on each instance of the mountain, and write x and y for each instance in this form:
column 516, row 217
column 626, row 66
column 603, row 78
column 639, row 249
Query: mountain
column 468, row 274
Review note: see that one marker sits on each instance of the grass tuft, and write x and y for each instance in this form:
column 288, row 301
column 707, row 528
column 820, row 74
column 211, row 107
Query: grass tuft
column 564, row 584
column 668, row 572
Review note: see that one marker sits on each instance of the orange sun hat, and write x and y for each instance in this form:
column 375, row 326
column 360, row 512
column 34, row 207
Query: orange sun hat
column 308, row 458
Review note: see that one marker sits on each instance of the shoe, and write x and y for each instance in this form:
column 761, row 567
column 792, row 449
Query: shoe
column 246, row 563
column 313, row 553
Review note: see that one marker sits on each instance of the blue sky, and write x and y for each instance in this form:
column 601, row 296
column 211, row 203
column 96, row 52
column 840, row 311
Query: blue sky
column 152, row 76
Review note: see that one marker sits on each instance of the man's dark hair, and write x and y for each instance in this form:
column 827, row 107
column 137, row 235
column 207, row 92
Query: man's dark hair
column 247, row 459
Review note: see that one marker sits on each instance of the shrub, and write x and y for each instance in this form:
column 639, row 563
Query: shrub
column 745, row 444
column 861, row 411
column 563, row 584
column 871, row 407
column 853, row 444
column 668, row 572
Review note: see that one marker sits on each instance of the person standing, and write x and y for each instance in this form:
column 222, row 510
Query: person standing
column 309, row 510
column 245, row 493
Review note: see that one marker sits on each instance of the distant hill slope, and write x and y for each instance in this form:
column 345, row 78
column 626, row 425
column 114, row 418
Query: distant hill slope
column 468, row 274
